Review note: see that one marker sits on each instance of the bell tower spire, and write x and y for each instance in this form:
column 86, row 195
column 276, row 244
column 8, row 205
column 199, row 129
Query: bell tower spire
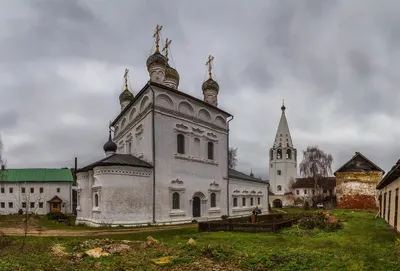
column 282, row 157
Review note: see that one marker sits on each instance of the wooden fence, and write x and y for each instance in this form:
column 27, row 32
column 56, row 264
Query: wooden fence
column 231, row 225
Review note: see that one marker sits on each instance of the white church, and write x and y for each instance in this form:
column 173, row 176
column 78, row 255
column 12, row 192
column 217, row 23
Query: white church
column 167, row 159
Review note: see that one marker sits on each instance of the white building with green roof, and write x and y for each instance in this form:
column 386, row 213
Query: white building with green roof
column 37, row 190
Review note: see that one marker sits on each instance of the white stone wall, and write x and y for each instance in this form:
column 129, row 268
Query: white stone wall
column 196, row 174
column 247, row 190
column 288, row 168
column 124, row 196
column 390, row 217
column 133, row 131
column 49, row 191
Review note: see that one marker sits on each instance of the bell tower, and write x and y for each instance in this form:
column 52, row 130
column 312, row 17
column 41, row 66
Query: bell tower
column 282, row 158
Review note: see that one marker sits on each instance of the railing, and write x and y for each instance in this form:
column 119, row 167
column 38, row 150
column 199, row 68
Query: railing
column 265, row 225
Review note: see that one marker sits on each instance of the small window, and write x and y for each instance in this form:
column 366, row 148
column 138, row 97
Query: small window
column 3, row 205
column 32, row 190
column 272, row 166
column 181, row 143
column 58, row 190
column 210, row 151
column 40, row 204
column 298, row 192
column 305, row 192
column 280, row 145
column 22, row 189
column 235, row 204
column 213, row 200
column 243, row 201
column 2, row 190
column 129, row 147
column 24, row 205
column 271, row 155
column 41, row 190
column 279, row 188
column 279, row 172
column 251, row 201
column 96, row 200
column 313, row 191
column 281, row 134
column 11, row 190
column 175, row 201
column 258, row 200
column 325, row 191
column 32, row 205
column 10, row 205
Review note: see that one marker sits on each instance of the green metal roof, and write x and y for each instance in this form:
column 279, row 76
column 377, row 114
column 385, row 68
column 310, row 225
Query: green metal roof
column 36, row 175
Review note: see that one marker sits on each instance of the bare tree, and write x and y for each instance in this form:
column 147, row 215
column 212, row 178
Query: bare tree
column 2, row 160
column 316, row 165
column 232, row 160
column 28, row 204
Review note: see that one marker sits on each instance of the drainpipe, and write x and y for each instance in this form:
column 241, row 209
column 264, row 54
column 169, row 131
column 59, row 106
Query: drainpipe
column 154, row 157
column 227, row 170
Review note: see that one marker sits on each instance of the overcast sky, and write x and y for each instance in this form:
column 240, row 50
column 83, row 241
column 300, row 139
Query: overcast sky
column 336, row 64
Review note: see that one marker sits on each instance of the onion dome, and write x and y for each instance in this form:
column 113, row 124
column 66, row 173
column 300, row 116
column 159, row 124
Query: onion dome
column 110, row 146
column 126, row 95
column 156, row 59
column 210, row 84
column 171, row 73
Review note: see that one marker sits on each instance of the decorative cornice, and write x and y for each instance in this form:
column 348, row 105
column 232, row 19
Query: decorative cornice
column 133, row 122
column 121, row 172
column 190, row 118
column 195, row 159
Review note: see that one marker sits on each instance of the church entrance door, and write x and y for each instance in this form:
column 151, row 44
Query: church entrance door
column 196, row 207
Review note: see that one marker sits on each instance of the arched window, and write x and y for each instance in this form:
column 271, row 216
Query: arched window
column 279, row 188
column 279, row 172
column 251, row 201
column 181, row 143
column 130, row 148
column 234, row 202
column 175, row 201
column 289, row 154
column 243, row 201
column 271, row 155
column 279, row 154
column 197, row 147
column 96, row 200
column 258, row 200
column 213, row 200
column 210, row 150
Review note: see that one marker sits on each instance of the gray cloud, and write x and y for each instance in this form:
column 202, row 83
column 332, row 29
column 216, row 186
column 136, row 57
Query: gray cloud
column 334, row 62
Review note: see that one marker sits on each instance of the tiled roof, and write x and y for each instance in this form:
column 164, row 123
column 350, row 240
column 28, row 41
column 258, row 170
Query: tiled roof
column 36, row 175
column 117, row 160
column 309, row 182
column 239, row 175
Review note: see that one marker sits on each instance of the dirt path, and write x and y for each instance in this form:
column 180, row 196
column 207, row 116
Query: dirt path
column 94, row 232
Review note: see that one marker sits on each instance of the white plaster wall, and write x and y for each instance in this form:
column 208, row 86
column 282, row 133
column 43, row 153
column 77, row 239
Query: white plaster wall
column 49, row 191
column 125, row 197
column 238, row 188
column 135, row 128
column 288, row 167
column 195, row 171
column 84, row 199
column 390, row 187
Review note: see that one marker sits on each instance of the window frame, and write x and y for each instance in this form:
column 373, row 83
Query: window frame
column 180, row 143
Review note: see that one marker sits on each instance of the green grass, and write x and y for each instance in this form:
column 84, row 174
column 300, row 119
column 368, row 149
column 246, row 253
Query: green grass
column 365, row 243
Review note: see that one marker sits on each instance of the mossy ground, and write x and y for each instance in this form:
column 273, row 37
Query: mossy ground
column 365, row 243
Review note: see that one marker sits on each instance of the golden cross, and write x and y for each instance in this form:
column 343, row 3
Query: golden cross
column 157, row 36
column 209, row 64
column 126, row 78
column 166, row 47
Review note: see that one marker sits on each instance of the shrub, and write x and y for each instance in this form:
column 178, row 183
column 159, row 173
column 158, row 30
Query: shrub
column 57, row 216
column 224, row 217
column 319, row 220
column 306, row 206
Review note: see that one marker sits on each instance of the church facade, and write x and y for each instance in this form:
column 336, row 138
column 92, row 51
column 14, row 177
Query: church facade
column 167, row 160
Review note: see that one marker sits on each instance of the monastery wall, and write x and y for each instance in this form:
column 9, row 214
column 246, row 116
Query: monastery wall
column 357, row 190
